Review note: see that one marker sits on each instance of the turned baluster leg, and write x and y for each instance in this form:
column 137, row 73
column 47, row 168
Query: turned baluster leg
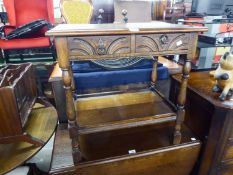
column 183, row 89
column 181, row 102
column 72, row 80
column 154, row 71
column 64, row 64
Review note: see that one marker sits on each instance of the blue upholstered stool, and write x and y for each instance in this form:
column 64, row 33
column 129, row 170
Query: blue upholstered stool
column 88, row 75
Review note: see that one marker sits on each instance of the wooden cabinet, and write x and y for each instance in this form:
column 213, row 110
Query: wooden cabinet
column 211, row 120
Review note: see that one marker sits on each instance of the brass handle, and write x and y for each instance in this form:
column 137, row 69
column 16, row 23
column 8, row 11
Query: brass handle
column 101, row 50
column 164, row 39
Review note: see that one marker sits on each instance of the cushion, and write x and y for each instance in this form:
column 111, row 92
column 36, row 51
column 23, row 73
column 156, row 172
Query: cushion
column 27, row 30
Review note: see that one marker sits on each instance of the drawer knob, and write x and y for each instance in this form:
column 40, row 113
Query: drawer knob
column 164, row 39
column 101, row 50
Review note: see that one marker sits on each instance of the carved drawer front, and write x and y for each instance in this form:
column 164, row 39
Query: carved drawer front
column 99, row 45
column 161, row 42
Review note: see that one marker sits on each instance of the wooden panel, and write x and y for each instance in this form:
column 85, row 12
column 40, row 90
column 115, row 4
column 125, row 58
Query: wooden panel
column 181, row 160
column 96, row 146
column 161, row 42
column 99, row 45
column 99, row 145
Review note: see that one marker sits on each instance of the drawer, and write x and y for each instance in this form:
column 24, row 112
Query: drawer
column 99, row 45
column 161, row 42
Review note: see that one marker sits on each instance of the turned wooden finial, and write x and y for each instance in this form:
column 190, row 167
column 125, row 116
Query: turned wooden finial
column 124, row 13
column 100, row 17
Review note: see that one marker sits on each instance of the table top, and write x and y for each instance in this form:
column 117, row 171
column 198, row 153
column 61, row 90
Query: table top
column 202, row 84
column 121, row 28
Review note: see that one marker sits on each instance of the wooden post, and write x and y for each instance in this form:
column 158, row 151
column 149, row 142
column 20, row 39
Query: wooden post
column 183, row 88
column 154, row 71
column 64, row 64
column 181, row 101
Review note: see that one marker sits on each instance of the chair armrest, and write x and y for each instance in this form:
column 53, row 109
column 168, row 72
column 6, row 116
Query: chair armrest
column 56, row 75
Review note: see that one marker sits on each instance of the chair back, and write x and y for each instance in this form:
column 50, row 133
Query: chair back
column 76, row 11
column 21, row 12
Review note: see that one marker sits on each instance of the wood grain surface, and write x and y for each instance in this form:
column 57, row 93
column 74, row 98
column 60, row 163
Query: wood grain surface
column 120, row 28
column 108, row 153
column 112, row 112
column 41, row 125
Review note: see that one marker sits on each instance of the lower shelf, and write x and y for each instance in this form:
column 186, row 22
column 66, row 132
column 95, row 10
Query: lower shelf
column 109, row 153
column 121, row 111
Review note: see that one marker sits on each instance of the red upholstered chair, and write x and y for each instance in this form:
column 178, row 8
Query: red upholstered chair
column 21, row 12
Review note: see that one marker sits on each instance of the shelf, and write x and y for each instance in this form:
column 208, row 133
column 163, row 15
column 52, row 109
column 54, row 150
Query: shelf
column 120, row 111
column 150, row 143
column 208, row 45
column 41, row 125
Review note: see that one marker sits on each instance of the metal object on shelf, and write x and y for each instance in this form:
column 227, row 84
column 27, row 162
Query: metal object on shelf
column 124, row 12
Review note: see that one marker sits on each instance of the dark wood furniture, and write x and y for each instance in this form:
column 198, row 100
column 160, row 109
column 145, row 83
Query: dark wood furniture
column 17, row 96
column 211, row 120
column 27, row 121
column 121, row 112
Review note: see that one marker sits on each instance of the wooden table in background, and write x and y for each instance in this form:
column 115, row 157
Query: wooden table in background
column 211, row 120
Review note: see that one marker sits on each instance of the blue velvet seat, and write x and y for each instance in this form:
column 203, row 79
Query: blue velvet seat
column 88, row 75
